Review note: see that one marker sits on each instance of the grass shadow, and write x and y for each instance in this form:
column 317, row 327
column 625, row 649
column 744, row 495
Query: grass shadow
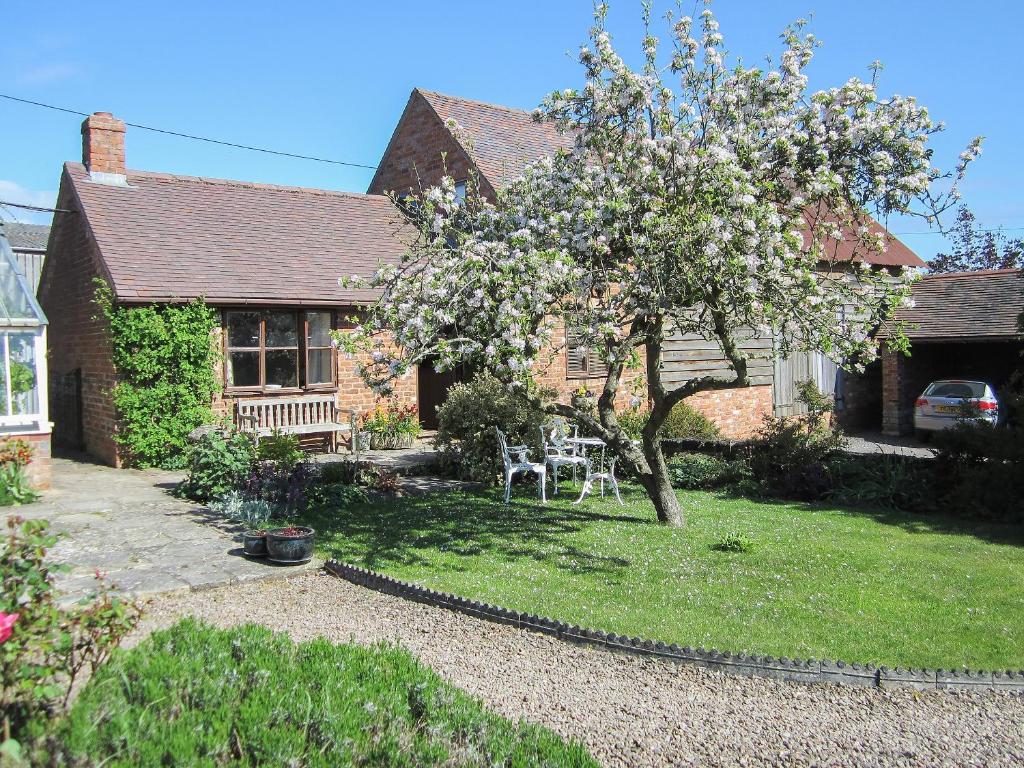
column 413, row 530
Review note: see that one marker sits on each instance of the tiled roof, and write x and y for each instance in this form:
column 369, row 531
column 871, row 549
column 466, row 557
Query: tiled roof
column 166, row 237
column 25, row 237
column 503, row 140
column 966, row 305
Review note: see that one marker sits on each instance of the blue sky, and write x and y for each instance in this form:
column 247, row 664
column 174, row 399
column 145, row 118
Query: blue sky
column 330, row 79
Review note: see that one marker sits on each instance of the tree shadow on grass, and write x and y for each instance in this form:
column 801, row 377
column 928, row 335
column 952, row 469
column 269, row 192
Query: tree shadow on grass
column 440, row 529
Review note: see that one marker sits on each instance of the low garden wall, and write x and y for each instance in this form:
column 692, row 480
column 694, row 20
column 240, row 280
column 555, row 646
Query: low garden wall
column 793, row 670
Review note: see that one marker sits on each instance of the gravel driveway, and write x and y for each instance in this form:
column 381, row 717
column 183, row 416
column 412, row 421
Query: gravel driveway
column 630, row 711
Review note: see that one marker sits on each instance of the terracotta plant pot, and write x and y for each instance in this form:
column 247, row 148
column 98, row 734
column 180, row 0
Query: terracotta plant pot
column 384, row 441
column 254, row 543
column 290, row 546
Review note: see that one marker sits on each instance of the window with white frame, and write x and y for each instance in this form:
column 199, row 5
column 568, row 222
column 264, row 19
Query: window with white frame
column 22, row 349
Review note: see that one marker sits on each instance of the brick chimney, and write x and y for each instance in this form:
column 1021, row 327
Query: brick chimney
column 103, row 148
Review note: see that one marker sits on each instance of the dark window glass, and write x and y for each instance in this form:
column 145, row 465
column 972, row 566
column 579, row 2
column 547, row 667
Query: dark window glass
column 244, row 369
column 282, row 367
column 282, row 330
column 243, row 329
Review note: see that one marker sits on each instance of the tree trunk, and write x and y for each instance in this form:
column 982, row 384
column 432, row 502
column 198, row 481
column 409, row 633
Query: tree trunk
column 659, row 486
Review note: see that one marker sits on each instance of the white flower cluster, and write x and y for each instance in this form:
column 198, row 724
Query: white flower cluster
column 697, row 196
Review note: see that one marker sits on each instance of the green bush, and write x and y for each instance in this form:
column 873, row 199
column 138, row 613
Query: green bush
column 336, row 496
column 346, row 471
column 467, row 420
column 282, row 449
column 14, row 485
column 884, row 481
column 633, row 422
column 49, row 646
column 792, row 456
column 980, row 470
column 195, row 695
column 700, row 472
column 218, row 465
column 164, row 358
column 685, row 421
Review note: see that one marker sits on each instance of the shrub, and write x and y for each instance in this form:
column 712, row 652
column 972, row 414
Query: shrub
column 884, row 481
column 685, row 421
column 14, row 486
column 195, row 695
column 15, row 451
column 392, row 420
column 285, row 489
column 218, row 465
column 254, row 514
column 347, row 472
column 336, row 496
column 164, row 358
column 47, row 647
column 791, row 456
column 633, row 422
column 282, row 449
column 980, row 470
column 700, row 472
column 467, row 419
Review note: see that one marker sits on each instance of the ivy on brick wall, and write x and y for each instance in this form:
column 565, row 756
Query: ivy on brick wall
column 164, row 359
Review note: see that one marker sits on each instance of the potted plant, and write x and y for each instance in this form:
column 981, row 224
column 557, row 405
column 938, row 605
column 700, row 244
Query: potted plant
column 392, row 426
column 254, row 542
column 291, row 546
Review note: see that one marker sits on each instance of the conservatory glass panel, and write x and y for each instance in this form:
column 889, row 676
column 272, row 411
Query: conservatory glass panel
column 19, row 388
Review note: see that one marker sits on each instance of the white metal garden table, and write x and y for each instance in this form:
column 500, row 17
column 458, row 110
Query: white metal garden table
column 605, row 471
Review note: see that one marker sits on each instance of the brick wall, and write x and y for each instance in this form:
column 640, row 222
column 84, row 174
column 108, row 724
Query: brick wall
column 76, row 339
column 352, row 393
column 40, row 469
column 420, row 149
column 739, row 413
column 897, row 419
column 103, row 143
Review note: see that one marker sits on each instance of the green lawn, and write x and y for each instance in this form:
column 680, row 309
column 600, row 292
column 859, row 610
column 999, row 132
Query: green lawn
column 195, row 695
column 820, row 582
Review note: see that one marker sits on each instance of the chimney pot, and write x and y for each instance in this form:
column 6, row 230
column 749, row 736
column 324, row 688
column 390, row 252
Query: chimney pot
column 103, row 147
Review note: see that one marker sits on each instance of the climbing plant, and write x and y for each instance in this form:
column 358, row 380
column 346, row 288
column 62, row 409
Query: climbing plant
column 164, row 359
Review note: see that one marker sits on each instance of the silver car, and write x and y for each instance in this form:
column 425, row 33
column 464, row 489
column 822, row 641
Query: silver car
column 946, row 402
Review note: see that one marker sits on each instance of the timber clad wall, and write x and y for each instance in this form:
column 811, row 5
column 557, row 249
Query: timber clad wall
column 77, row 339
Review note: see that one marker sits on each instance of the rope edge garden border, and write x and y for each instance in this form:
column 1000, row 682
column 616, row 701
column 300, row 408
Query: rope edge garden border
column 791, row 670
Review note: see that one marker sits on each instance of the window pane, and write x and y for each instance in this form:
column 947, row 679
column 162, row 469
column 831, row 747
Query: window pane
column 24, row 381
column 318, row 367
column 244, row 369
column 243, row 329
column 282, row 330
column 319, row 329
column 283, row 367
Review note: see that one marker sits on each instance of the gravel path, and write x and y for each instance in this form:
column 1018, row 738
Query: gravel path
column 630, row 711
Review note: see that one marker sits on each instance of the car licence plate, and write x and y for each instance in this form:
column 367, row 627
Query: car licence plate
column 947, row 409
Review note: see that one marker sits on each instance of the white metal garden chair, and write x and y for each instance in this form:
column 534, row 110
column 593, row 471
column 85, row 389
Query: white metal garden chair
column 516, row 460
column 558, row 451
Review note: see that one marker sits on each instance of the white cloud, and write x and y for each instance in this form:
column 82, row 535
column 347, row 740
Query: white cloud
column 13, row 192
column 47, row 73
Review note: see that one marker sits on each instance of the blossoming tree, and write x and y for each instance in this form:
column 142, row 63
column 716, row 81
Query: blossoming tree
column 697, row 198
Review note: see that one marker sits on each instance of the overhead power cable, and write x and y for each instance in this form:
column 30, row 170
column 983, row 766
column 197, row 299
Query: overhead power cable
column 4, row 203
column 197, row 138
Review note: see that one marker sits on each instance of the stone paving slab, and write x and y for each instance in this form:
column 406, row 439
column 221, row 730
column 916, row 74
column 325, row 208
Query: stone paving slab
column 126, row 524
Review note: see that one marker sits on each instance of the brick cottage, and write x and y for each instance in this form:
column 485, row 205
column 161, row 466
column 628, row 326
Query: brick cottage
column 268, row 259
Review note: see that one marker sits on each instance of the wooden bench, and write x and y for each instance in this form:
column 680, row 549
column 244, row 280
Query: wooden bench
column 297, row 415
